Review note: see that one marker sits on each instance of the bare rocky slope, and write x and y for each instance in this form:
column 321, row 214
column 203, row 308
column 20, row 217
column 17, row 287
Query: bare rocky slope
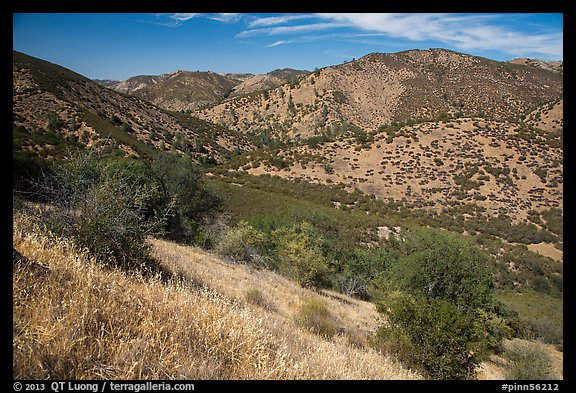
column 556, row 66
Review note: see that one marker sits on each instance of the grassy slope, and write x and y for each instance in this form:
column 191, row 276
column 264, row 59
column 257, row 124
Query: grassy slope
column 77, row 320
column 533, row 305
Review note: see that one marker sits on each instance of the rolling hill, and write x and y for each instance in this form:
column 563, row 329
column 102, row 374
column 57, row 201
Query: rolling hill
column 323, row 182
column 381, row 89
column 188, row 91
column 495, row 166
column 51, row 100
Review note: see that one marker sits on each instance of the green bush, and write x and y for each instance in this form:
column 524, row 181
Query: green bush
column 315, row 316
column 362, row 266
column 300, row 256
column 437, row 298
column 103, row 207
column 441, row 339
column 439, row 264
column 26, row 168
column 182, row 185
column 109, row 205
column 242, row 243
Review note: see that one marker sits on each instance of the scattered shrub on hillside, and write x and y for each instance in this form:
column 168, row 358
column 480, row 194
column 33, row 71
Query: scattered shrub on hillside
column 242, row 243
column 103, row 207
column 315, row 316
column 543, row 329
column 554, row 220
column 536, row 271
column 528, row 361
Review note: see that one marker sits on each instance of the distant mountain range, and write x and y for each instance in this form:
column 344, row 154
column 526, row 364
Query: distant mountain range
column 189, row 91
column 52, row 99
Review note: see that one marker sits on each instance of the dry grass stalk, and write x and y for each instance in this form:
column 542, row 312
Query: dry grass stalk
column 83, row 321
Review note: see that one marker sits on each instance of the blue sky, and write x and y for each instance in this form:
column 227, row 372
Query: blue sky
column 118, row 46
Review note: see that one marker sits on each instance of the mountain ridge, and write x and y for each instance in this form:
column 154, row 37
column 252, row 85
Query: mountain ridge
column 51, row 99
column 187, row 91
column 380, row 89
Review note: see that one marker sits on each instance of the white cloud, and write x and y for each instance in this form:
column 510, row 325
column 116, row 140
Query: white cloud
column 277, row 20
column 295, row 29
column 176, row 19
column 277, row 43
column 182, row 17
column 225, row 17
column 464, row 32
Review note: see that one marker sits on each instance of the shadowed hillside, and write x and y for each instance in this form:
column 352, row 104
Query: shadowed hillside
column 51, row 100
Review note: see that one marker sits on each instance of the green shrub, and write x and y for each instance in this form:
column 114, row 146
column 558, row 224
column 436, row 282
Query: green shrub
column 26, row 168
column 182, row 185
column 361, row 266
column 102, row 207
column 315, row 316
column 439, row 264
column 300, row 256
column 437, row 298
column 241, row 243
column 441, row 339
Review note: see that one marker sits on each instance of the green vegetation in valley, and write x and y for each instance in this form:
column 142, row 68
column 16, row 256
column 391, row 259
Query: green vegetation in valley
column 438, row 299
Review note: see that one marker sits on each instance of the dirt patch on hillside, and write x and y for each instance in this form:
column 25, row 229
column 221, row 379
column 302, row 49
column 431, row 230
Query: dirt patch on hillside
column 547, row 250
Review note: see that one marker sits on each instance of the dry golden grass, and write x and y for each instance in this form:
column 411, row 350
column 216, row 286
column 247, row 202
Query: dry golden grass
column 356, row 318
column 548, row 361
column 78, row 320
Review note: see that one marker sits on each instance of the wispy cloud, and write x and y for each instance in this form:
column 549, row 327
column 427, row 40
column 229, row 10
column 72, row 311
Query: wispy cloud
column 176, row 19
column 225, row 17
column 277, row 20
column 278, row 43
column 293, row 29
column 467, row 32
